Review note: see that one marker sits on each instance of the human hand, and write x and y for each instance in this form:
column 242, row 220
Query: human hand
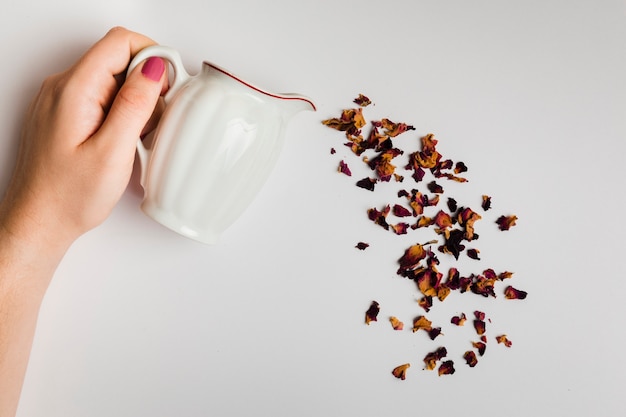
column 78, row 142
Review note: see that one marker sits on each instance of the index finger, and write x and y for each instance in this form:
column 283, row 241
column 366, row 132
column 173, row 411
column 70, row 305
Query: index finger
column 112, row 54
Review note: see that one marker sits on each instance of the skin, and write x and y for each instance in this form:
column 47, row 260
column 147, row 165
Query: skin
column 74, row 162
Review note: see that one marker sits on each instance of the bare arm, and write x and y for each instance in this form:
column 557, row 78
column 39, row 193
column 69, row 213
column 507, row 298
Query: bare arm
column 74, row 162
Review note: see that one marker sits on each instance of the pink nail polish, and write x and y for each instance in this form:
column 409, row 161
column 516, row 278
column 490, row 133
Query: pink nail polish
column 153, row 68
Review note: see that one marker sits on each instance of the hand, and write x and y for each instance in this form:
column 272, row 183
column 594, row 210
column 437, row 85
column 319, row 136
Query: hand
column 75, row 160
column 79, row 138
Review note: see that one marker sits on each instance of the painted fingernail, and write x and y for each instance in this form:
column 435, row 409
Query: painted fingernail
column 153, row 68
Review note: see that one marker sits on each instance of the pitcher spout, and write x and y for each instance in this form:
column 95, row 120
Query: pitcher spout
column 293, row 104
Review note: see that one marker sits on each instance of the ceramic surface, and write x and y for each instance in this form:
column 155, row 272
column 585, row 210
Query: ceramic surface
column 214, row 147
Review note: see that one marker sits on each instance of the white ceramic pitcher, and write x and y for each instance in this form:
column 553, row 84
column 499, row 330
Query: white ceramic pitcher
column 213, row 149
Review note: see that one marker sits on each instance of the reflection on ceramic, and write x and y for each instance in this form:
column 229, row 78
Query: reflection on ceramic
column 216, row 143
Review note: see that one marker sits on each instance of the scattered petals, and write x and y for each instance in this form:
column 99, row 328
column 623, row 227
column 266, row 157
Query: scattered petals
column 446, row 368
column 480, row 346
column 367, row 183
column 470, row 358
column 431, row 358
column 400, row 371
column 395, row 323
column 422, row 323
column 362, row 245
column 503, row 339
column 486, row 205
column 459, row 320
column 506, row 222
column 511, row 293
column 344, row 169
column 362, row 100
column 372, row 313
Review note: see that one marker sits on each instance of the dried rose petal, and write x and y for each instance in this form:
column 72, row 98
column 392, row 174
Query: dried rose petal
column 362, row 245
column 412, row 257
column 422, row 323
column 333, row 151
column 486, row 205
column 506, row 222
column 452, row 244
column 466, row 218
column 372, row 313
column 433, row 187
column 503, row 339
column 379, row 217
column 367, row 183
column 344, row 169
column 446, row 368
column 511, row 293
column 459, row 320
column 395, row 323
column 382, row 163
column 432, row 357
column 400, row 228
column 473, row 253
column 400, row 211
column 394, row 129
column 481, row 346
column 452, row 205
column 470, row 358
column 443, row 220
column 459, row 168
column 505, row 275
column 434, row 332
column 400, row 371
column 483, row 286
column 479, row 315
column 480, row 326
column 362, row 100
column 426, row 303
column 351, row 121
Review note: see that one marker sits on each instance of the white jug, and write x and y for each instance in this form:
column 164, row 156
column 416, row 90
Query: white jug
column 213, row 149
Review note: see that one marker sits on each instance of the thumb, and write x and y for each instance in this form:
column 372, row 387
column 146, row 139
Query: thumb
column 134, row 103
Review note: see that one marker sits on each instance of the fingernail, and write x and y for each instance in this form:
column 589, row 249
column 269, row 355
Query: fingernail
column 153, row 68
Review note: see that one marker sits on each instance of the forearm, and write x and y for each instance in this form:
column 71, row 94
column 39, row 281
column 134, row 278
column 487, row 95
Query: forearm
column 27, row 264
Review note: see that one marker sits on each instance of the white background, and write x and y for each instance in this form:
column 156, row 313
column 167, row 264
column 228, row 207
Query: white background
column 529, row 94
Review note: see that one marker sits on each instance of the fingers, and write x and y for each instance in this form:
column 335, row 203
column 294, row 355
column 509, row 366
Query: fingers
column 133, row 105
column 115, row 50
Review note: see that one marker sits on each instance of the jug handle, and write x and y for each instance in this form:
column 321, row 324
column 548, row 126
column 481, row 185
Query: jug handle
column 180, row 78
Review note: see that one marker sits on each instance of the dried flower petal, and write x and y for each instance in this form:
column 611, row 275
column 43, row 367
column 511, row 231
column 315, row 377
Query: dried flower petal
column 372, row 313
column 400, row 371
column 470, row 358
column 486, row 205
column 459, row 168
column 362, row 100
column 344, row 169
column 367, row 183
column 432, row 357
column 452, row 244
column 394, row 129
column 473, row 253
column 400, row 228
column 466, row 218
column 503, row 339
column 479, row 325
column 333, row 151
column 434, row 332
column 433, row 187
column 443, row 220
column 400, row 211
column 511, row 293
column 351, row 121
column 446, row 368
column 459, row 320
column 452, row 205
column 395, row 323
column 411, row 258
column 382, row 163
column 362, row 245
column 422, row 323
column 481, row 346
column 379, row 217
column 426, row 303
column 506, row 222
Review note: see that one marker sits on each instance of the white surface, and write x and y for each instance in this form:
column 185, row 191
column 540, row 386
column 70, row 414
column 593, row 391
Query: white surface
column 529, row 94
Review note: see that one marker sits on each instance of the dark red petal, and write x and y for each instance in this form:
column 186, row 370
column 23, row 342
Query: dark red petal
column 372, row 313
column 511, row 293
